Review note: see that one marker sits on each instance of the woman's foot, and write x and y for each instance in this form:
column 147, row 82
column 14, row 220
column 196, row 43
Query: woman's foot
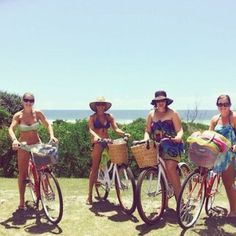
column 22, row 207
column 89, row 201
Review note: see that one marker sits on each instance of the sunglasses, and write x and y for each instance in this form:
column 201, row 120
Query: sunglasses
column 226, row 104
column 100, row 103
column 28, row 100
column 162, row 100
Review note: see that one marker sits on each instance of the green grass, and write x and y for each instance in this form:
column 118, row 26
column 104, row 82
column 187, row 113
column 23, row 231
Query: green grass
column 103, row 218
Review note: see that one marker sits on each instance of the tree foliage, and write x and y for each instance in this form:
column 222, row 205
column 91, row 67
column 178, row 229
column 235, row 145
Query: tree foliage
column 9, row 105
column 74, row 140
column 75, row 146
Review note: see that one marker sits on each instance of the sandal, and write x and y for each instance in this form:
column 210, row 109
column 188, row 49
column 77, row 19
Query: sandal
column 22, row 208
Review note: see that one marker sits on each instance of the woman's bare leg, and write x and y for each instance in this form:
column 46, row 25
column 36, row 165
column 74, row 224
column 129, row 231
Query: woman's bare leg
column 96, row 157
column 23, row 163
column 228, row 180
column 173, row 176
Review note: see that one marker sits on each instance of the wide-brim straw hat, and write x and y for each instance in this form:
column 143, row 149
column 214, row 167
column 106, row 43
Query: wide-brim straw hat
column 161, row 95
column 100, row 100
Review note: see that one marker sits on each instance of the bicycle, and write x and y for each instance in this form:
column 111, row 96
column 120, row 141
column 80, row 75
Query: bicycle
column 117, row 173
column 153, row 189
column 201, row 185
column 42, row 183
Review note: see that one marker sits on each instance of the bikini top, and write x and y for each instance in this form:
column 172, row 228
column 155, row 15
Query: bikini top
column 99, row 125
column 32, row 127
column 226, row 130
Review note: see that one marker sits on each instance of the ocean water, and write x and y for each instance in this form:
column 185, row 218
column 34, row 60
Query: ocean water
column 127, row 116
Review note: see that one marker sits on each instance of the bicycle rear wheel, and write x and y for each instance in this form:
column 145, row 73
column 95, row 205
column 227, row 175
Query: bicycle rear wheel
column 151, row 195
column 51, row 197
column 101, row 185
column 212, row 207
column 125, row 189
column 191, row 199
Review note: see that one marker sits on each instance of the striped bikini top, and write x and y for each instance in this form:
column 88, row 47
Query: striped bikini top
column 32, row 127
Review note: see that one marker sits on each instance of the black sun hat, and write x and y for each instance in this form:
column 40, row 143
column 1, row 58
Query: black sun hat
column 161, row 95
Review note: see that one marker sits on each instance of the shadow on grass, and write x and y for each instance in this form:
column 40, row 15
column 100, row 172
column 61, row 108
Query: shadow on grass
column 213, row 225
column 169, row 217
column 20, row 219
column 102, row 207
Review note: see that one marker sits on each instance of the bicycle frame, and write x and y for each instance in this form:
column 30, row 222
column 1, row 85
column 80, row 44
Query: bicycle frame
column 107, row 180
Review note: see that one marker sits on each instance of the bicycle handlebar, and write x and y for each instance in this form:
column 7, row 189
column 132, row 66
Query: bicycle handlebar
column 28, row 148
column 148, row 141
column 106, row 141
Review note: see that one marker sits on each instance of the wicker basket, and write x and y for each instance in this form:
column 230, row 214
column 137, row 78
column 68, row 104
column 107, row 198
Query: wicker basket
column 118, row 151
column 145, row 157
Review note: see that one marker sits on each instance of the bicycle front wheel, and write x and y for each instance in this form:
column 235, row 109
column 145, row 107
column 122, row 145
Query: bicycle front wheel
column 125, row 189
column 212, row 206
column 51, row 197
column 101, row 185
column 191, row 199
column 151, row 195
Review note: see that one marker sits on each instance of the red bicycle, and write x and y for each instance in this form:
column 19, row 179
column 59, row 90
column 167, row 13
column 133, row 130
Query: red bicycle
column 42, row 183
column 201, row 185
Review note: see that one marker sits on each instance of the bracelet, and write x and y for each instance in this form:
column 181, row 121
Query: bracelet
column 14, row 139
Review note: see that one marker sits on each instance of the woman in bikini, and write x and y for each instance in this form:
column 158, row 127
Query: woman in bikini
column 225, row 124
column 27, row 120
column 163, row 122
column 99, row 123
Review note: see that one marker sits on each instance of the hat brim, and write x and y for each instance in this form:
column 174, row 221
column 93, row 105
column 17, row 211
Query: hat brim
column 94, row 108
column 168, row 101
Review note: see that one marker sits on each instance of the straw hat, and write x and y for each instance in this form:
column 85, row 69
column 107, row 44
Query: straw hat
column 100, row 100
column 161, row 95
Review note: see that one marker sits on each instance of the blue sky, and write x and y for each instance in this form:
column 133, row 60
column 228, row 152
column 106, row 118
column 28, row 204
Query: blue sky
column 69, row 52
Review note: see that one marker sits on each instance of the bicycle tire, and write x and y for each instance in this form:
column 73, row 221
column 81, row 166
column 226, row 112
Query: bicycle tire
column 211, row 206
column 125, row 189
column 51, row 197
column 151, row 195
column 189, row 206
column 101, row 186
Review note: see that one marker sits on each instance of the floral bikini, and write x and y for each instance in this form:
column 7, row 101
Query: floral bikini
column 168, row 149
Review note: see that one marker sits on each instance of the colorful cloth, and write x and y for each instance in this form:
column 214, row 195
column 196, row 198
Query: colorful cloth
column 104, row 158
column 225, row 159
column 168, row 149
